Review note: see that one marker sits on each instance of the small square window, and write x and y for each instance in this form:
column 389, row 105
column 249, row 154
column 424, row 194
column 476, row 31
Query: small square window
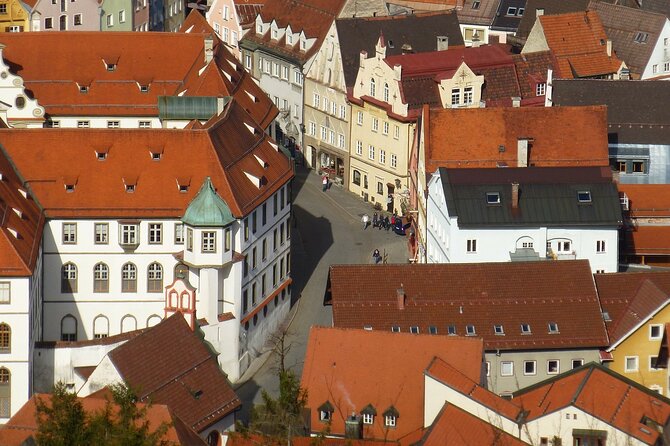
column 655, row 332
column 511, row 11
column 584, row 196
column 470, row 330
column 506, row 368
column 525, row 329
column 553, row 327
column 553, row 367
column 631, row 364
column 529, row 367
column 577, row 363
column 498, row 329
column 493, row 198
column 414, row 329
column 395, row 329
column 638, row 166
column 432, row 329
column 451, row 330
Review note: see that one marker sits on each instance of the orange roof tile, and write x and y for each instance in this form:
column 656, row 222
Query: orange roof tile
column 647, row 240
column 456, row 427
column 242, row 439
column 473, row 137
column 225, row 151
column 626, row 407
column 354, row 368
column 647, row 200
column 578, row 41
column 54, row 78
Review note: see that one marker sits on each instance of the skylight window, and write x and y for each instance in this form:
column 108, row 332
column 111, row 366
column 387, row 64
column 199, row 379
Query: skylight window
column 432, row 329
column 493, row 198
column 553, row 327
column 525, row 328
column 641, row 37
column 475, row 4
column 498, row 329
column 451, row 330
column 584, row 196
column 470, row 330
column 511, row 11
column 395, row 329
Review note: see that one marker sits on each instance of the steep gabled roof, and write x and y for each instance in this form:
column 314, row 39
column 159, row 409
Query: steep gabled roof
column 602, row 393
column 247, row 10
column 473, row 137
column 509, row 22
column 480, row 295
column 241, row 439
column 21, row 223
column 170, row 365
column 549, row 7
column 548, row 196
column 354, row 368
column 155, row 161
column 418, row 31
column 623, row 26
column 478, row 14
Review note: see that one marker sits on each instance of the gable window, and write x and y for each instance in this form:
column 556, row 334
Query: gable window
column 155, row 278
column 326, row 411
column 155, row 233
column 563, row 246
column 455, row 96
column 471, row 246
column 655, row 332
column 553, row 367
column 600, row 246
column 540, row 89
column 128, row 278
column 100, row 278
column 584, row 196
column 68, row 282
column 529, row 368
column 506, row 368
column 69, row 233
column 386, row 92
column 5, row 338
column 5, row 292
column 373, row 87
column 368, row 414
column 209, row 241
column 467, row 95
column 68, row 328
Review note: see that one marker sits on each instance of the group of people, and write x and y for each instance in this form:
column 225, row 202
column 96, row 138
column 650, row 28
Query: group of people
column 379, row 221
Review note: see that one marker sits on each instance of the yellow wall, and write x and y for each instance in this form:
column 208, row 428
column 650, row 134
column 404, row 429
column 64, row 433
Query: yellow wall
column 14, row 15
column 640, row 345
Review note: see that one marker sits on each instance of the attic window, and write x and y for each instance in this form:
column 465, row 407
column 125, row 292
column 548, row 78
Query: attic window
column 451, row 330
column 511, row 11
column 584, row 196
column 263, row 164
column 414, row 329
column 470, row 330
column 23, row 192
column 13, row 232
column 156, row 156
column 641, row 37
column 69, row 187
column 498, row 330
column 101, row 155
column 395, row 329
column 553, row 327
column 475, row 4
column 525, row 328
column 130, row 188
column 18, row 212
column 367, row 327
column 111, row 67
column 83, row 89
column 493, row 198
column 326, row 411
column 606, row 316
column 130, row 183
column 144, row 88
column 432, row 329
column 251, row 129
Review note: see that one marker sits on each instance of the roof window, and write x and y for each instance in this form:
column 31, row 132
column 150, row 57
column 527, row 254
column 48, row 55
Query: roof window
column 367, row 327
column 470, row 330
column 69, row 188
column 101, row 154
column 395, row 329
column 432, row 329
column 18, row 212
column 451, row 330
column 511, row 11
column 499, row 330
column 414, row 329
column 492, row 197
column 111, row 67
column 130, row 188
column 183, row 184
column 475, row 4
column 1, row 177
column 14, row 232
column 584, row 196
column 23, row 192
column 130, row 183
column 144, row 88
column 525, row 328
column 83, row 89
column 641, row 37
column 553, row 327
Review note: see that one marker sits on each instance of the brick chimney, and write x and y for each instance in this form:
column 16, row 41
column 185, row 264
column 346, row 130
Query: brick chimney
column 401, row 298
column 442, row 43
column 515, row 195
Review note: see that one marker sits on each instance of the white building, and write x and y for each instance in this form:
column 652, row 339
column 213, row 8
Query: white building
column 211, row 205
column 497, row 215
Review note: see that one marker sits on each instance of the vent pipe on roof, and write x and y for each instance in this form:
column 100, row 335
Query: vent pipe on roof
column 515, row 195
column 401, row 298
column 209, row 49
column 442, row 43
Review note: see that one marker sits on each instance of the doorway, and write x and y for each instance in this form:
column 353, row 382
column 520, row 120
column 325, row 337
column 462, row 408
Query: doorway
column 389, row 198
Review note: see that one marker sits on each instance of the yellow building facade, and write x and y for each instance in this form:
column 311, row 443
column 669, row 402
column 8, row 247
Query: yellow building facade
column 14, row 16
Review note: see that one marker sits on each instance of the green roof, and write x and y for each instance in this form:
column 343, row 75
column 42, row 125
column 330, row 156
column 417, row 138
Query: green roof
column 188, row 107
column 207, row 208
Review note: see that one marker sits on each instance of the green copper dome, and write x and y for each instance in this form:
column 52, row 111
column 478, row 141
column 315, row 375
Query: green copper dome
column 207, row 208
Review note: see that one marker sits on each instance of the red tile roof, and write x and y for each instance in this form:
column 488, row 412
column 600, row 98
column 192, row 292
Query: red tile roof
column 647, row 200
column 456, row 427
column 21, row 223
column 242, row 439
column 170, row 365
column 603, row 394
column 53, row 78
column 481, row 295
column 224, row 151
column 578, row 41
column 354, row 368
column 630, row 298
column 23, row 424
column 247, row 10
column 646, row 240
column 472, row 137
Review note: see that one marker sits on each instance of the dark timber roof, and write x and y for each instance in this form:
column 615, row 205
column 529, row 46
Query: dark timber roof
column 548, row 196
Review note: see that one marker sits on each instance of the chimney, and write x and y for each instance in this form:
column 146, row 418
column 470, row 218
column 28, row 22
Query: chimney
column 353, row 427
column 209, row 49
column 442, row 43
column 516, row 101
column 539, row 12
column 401, row 298
column 609, row 48
column 515, row 195
column 522, row 152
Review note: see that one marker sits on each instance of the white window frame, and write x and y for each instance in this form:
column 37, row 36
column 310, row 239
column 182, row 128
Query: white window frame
column 385, row 128
column 502, row 366
column 636, row 367
column 69, row 233
column 471, row 246
column 389, row 421
column 359, row 118
column 371, row 152
column 368, row 418
column 5, row 292
column 660, row 332
column 179, row 233
column 541, row 89
column 558, row 366
column 375, row 124
column 101, row 233
column 155, row 233
column 600, row 247
column 359, row 148
column 129, row 234
column 382, row 156
column 394, row 161
column 534, row 372
column 208, row 244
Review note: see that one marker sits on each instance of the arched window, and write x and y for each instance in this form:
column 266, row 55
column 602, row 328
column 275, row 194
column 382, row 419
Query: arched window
column 68, row 328
column 129, row 278
column 155, row 278
column 373, row 87
column 153, row 320
column 5, row 393
column 128, row 323
column 100, row 278
column 68, row 283
column 100, row 327
column 386, row 92
column 5, row 338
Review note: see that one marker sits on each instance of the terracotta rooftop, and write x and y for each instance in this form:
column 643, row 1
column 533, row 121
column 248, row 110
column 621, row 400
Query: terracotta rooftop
column 240, row 439
column 482, row 14
column 91, row 160
column 452, row 142
column 247, row 10
column 646, row 241
column 23, row 425
column 313, row 17
column 627, row 405
column 456, row 427
column 631, row 298
column 578, row 41
column 352, row 369
column 477, row 295
column 634, row 33
column 647, row 200
column 21, row 223
column 170, row 365
column 83, row 61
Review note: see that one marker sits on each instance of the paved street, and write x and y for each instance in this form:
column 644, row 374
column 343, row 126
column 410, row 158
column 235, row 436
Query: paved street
column 328, row 230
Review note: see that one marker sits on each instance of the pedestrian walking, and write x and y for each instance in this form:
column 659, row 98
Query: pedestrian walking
column 376, row 256
column 365, row 219
column 324, row 180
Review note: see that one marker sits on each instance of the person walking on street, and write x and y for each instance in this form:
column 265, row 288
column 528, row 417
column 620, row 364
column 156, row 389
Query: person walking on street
column 324, row 180
column 365, row 221
column 376, row 256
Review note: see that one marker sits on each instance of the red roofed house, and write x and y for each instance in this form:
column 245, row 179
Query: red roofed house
column 369, row 384
column 116, row 80
column 229, row 17
column 537, row 319
column 579, row 43
column 389, row 93
column 141, row 224
column 501, row 137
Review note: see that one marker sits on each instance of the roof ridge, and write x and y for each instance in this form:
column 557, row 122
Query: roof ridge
column 620, row 405
column 581, row 386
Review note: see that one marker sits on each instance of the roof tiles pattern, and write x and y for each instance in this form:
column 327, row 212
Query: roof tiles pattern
column 646, row 240
column 486, row 294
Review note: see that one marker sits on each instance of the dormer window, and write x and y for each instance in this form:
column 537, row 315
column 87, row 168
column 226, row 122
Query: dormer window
column 553, row 327
column 144, row 88
column 373, row 87
column 18, row 212
column 83, row 89
column 391, row 416
column 130, row 188
column 156, row 156
column 289, row 39
column 498, row 330
column 368, row 414
column 525, row 329
column 183, row 184
column 69, row 188
column 259, row 28
column 493, row 198
column 275, row 34
column 111, row 67
column 101, row 155
column 303, row 44
column 326, row 411
column 584, row 196
column 641, row 37
column 130, row 184
column 470, row 330
column 451, row 330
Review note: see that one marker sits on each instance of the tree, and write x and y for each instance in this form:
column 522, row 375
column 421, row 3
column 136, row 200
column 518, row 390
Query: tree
column 64, row 422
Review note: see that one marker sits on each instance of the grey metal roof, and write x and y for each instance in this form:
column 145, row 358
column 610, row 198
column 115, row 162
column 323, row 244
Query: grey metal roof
column 506, row 22
column 188, row 107
column 547, row 196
